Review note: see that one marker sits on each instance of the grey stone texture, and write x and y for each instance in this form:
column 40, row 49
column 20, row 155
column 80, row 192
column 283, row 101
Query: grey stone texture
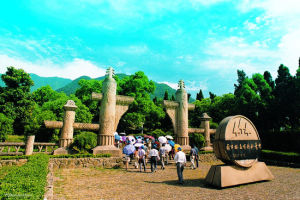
column 29, row 145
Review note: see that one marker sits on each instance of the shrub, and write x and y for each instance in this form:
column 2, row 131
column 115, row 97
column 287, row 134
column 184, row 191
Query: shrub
column 84, row 142
column 27, row 181
column 197, row 139
column 157, row 133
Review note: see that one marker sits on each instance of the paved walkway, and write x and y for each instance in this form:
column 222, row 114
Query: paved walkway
column 87, row 183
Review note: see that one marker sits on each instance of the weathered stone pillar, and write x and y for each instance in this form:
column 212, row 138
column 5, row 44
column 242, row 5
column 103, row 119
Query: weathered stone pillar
column 107, row 117
column 182, row 117
column 29, row 145
column 205, row 124
column 66, row 137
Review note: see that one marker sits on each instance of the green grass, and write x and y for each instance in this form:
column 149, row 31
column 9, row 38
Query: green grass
column 15, row 138
column 281, row 153
column 27, row 181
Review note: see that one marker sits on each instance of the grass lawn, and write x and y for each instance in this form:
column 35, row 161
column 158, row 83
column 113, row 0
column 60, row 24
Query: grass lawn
column 15, row 138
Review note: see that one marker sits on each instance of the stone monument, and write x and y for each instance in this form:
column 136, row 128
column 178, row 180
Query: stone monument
column 238, row 145
column 112, row 108
column 178, row 112
column 68, row 126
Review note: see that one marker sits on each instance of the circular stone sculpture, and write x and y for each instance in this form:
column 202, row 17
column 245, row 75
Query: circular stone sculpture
column 237, row 141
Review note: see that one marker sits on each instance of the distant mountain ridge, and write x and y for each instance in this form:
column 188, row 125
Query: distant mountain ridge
column 69, row 86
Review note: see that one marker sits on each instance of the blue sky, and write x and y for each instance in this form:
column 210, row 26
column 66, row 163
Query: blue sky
column 202, row 42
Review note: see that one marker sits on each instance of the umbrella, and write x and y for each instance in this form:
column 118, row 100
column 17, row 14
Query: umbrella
column 139, row 140
column 149, row 136
column 129, row 149
column 138, row 144
column 168, row 147
column 122, row 133
column 176, row 147
column 116, row 133
column 123, row 138
column 131, row 139
column 169, row 137
column 138, row 137
column 172, row 143
column 162, row 139
column 117, row 137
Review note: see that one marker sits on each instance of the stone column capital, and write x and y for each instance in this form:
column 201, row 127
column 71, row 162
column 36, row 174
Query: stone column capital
column 205, row 117
column 70, row 106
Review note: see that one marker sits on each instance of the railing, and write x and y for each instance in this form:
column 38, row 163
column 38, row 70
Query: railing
column 18, row 148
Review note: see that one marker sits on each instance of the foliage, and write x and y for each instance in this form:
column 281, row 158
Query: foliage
column 15, row 138
column 157, row 133
column 197, row 139
column 15, row 99
column 6, row 127
column 166, row 96
column 84, row 142
column 27, row 181
column 200, row 95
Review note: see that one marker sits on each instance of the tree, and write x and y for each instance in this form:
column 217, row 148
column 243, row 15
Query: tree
column 45, row 94
column 268, row 78
column 173, row 98
column 241, row 77
column 284, row 93
column 84, row 93
column 142, row 110
column 6, row 127
column 199, row 95
column 212, row 96
column 166, row 96
column 15, row 98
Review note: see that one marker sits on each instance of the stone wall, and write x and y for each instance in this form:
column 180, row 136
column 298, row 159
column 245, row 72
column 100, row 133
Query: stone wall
column 17, row 162
column 112, row 162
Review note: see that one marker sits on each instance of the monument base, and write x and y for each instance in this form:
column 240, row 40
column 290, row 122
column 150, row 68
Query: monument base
column 61, row 151
column 208, row 148
column 186, row 148
column 227, row 175
column 114, row 151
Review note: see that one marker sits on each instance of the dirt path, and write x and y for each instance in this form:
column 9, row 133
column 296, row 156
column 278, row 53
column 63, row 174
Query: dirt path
column 90, row 183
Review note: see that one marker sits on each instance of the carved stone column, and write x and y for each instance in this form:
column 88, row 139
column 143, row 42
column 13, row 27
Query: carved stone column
column 67, row 130
column 205, row 124
column 182, row 136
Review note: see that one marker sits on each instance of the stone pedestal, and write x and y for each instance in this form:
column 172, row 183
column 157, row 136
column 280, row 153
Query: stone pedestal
column 114, row 151
column 61, row 151
column 230, row 175
column 67, row 129
column 205, row 124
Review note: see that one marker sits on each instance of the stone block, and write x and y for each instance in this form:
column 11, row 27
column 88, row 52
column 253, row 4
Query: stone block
column 229, row 175
column 114, row 151
column 60, row 151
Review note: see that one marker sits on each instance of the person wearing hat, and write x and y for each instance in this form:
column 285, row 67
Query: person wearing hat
column 180, row 160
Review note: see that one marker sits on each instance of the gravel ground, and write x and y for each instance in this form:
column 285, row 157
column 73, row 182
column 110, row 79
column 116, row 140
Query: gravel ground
column 91, row 183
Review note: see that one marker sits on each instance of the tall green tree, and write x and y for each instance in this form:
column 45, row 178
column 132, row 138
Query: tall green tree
column 241, row 77
column 15, row 98
column 200, row 95
column 166, row 95
column 268, row 78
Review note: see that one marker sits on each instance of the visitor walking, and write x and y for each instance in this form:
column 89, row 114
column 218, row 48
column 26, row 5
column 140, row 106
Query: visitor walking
column 163, row 152
column 180, row 160
column 193, row 155
column 197, row 156
column 153, row 154
column 142, row 155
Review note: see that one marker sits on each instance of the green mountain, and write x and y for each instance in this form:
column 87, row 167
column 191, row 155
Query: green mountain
column 72, row 86
column 54, row 82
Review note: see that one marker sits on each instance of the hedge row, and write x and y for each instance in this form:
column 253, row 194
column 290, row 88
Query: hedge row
column 27, row 181
column 58, row 156
column 280, row 156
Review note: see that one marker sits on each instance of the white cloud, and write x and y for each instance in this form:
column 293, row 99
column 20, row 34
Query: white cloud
column 172, row 85
column 74, row 69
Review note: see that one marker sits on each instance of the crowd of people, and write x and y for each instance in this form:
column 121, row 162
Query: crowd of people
column 141, row 150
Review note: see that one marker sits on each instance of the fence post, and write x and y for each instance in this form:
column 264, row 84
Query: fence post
column 29, row 145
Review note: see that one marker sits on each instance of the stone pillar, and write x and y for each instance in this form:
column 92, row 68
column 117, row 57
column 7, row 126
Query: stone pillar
column 105, row 139
column 182, row 136
column 205, row 124
column 66, row 137
column 29, row 145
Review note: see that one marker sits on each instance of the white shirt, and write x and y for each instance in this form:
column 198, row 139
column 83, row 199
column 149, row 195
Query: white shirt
column 153, row 152
column 180, row 157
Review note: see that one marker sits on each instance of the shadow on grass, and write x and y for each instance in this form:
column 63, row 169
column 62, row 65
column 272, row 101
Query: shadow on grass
column 187, row 183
